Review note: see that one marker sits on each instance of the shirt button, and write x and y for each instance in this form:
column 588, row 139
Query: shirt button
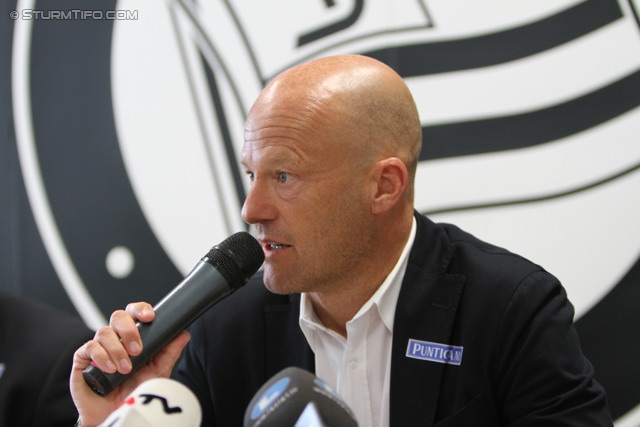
column 353, row 363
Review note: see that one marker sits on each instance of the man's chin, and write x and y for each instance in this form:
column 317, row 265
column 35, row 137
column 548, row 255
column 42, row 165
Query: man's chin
column 278, row 286
column 274, row 290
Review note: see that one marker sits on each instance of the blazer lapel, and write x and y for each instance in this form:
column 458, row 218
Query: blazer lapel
column 426, row 311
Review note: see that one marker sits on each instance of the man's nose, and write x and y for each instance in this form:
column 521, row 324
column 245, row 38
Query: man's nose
column 259, row 205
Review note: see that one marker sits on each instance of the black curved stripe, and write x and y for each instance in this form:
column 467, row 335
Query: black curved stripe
column 249, row 48
column 592, row 185
column 505, row 46
column 634, row 10
column 605, row 336
column 533, row 128
column 333, row 28
column 90, row 195
column 225, row 134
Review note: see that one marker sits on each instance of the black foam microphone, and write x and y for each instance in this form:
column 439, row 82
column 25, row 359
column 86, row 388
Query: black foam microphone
column 281, row 401
column 224, row 269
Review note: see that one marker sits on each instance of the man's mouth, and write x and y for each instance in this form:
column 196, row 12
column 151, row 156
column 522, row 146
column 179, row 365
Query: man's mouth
column 276, row 246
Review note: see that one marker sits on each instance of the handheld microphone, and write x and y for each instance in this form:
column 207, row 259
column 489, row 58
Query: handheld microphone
column 157, row 402
column 224, row 269
column 292, row 395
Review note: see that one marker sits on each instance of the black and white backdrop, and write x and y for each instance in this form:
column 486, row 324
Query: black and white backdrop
column 121, row 122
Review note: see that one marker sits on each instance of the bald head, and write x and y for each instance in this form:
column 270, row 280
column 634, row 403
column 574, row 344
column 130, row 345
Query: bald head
column 362, row 104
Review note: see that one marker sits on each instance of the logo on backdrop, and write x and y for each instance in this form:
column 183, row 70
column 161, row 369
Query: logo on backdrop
column 130, row 156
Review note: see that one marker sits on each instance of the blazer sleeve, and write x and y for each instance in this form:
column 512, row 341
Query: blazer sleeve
column 544, row 378
column 190, row 371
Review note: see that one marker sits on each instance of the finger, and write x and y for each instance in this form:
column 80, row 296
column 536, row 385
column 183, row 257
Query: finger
column 124, row 326
column 108, row 352
column 142, row 311
column 82, row 357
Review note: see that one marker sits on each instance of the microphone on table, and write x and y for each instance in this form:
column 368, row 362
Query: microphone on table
column 297, row 398
column 223, row 270
column 157, row 402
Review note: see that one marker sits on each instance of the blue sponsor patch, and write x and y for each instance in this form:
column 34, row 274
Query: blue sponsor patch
column 433, row 352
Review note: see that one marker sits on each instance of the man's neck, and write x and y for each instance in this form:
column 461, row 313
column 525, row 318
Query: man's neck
column 336, row 306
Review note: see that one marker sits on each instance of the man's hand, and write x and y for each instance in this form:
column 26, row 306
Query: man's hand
column 110, row 350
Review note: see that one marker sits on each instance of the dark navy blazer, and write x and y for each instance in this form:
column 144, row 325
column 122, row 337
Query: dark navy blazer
column 517, row 359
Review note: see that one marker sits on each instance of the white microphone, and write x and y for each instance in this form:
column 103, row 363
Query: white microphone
column 157, row 402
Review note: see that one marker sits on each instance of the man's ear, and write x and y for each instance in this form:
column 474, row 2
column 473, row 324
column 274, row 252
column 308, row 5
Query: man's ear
column 392, row 178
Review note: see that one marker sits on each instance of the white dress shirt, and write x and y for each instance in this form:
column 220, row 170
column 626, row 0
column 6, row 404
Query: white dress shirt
column 358, row 367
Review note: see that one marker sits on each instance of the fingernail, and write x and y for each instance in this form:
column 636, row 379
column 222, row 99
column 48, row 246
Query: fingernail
column 110, row 365
column 134, row 348
column 125, row 365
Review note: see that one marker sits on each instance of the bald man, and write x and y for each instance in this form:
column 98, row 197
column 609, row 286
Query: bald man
column 413, row 323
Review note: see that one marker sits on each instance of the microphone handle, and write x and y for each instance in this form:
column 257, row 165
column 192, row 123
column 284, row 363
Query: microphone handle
column 197, row 292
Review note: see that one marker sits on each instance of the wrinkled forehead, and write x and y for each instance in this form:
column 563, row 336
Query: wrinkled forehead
column 270, row 152
column 308, row 125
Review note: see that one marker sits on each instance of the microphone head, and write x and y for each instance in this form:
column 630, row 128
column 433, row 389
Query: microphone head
column 281, row 401
column 237, row 258
column 157, row 402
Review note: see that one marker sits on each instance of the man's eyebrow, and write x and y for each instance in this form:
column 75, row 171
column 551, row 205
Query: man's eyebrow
column 274, row 161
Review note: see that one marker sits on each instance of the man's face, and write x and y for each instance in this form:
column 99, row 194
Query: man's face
column 307, row 201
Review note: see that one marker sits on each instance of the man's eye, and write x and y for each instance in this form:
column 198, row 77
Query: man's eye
column 283, row 177
column 251, row 176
